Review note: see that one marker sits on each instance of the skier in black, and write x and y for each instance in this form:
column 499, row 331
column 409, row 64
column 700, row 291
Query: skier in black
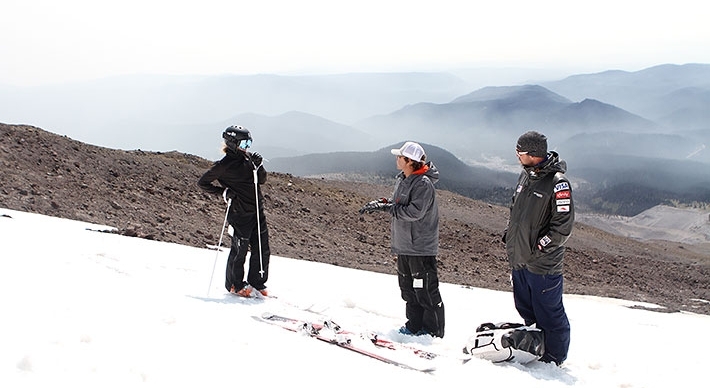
column 236, row 173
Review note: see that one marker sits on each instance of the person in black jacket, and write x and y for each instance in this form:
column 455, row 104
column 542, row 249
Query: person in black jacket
column 239, row 174
column 541, row 221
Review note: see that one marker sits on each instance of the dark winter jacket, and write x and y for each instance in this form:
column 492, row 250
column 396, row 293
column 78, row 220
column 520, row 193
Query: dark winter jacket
column 415, row 213
column 235, row 171
column 541, row 218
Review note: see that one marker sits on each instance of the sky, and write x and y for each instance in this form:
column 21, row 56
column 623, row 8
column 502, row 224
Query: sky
column 46, row 41
column 83, row 308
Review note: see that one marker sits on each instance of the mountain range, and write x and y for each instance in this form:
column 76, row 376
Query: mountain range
column 632, row 140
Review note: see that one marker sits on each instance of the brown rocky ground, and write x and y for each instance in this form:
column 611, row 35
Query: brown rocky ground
column 154, row 196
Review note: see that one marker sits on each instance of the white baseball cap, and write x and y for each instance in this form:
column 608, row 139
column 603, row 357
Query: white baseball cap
column 410, row 150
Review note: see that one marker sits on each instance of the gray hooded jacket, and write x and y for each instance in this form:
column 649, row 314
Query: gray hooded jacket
column 415, row 213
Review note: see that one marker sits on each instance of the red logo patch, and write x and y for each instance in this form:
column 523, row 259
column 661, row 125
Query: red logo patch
column 562, row 194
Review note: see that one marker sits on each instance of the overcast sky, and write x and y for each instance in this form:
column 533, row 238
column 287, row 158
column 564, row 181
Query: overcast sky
column 47, row 41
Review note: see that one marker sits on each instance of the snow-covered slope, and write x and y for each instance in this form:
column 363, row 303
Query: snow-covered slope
column 83, row 308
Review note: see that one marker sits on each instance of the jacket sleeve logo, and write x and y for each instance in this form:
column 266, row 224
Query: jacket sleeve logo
column 561, row 186
column 563, row 194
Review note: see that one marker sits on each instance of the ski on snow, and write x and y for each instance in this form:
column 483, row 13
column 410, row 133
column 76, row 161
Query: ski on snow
column 337, row 329
column 343, row 339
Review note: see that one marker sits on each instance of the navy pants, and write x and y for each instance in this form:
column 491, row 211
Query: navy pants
column 538, row 299
column 419, row 284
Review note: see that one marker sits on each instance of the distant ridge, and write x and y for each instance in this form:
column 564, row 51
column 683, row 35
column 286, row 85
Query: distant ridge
column 377, row 167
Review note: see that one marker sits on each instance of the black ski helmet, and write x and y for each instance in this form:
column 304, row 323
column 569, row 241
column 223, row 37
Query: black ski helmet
column 233, row 135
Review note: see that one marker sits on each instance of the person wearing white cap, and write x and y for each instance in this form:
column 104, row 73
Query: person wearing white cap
column 415, row 239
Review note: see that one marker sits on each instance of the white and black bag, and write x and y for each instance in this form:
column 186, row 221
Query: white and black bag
column 506, row 342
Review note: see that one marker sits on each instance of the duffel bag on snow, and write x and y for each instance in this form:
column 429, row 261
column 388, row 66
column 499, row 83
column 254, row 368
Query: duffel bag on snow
column 503, row 342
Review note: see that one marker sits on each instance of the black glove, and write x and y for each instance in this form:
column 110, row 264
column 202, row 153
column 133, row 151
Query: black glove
column 228, row 195
column 256, row 159
column 378, row 205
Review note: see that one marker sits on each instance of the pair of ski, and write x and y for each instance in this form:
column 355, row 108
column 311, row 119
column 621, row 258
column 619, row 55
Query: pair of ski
column 337, row 336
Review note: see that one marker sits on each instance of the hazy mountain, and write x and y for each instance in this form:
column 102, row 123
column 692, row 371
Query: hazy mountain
column 627, row 185
column 288, row 134
column 651, row 124
column 689, row 108
column 604, row 180
column 529, row 96
column 648, row 145
column 489, row 120
column 655, row 93
column 144, row 112
column 379, row 166
column 594, row 116
column 163, row 113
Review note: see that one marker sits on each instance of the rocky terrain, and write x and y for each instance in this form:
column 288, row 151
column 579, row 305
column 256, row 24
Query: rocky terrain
column 154, row 196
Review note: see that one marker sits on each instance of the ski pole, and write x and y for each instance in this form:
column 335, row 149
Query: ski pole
column 258, row 221
column 219, row 245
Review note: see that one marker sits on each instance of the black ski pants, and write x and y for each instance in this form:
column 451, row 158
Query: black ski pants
column 419, row 284
column 246, row 238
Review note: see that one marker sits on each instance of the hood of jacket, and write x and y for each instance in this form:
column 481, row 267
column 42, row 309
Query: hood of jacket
column 552, row 164
column 428, row 170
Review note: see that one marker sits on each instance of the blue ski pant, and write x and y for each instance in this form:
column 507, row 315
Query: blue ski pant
column 538, row 299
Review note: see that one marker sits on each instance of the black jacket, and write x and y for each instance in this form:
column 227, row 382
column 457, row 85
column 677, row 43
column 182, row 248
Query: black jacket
column 235, row 171
column 541, row 216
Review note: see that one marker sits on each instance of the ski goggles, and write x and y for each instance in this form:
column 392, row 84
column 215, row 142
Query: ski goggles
column 244, row 144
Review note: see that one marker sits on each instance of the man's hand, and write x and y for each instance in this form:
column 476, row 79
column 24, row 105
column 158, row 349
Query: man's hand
column 378, row 205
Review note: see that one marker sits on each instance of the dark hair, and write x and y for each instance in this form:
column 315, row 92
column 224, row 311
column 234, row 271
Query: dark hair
column 416, row 165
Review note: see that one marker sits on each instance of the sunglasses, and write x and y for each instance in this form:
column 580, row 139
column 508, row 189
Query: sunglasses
column 519, row 153
column 244, row 144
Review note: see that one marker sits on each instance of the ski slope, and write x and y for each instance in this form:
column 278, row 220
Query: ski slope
column 83, row 308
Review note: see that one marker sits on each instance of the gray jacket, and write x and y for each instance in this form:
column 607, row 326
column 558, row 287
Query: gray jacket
column 415, row 213
column 542, row 214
